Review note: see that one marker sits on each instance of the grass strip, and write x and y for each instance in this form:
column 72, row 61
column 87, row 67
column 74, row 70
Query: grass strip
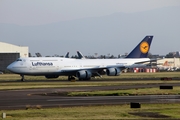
column 171, row 111
column 7, row 77
column 59, row 84
column 142, row 91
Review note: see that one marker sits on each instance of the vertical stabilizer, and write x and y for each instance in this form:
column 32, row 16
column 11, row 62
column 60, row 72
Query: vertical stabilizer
column 67, row 55
column 80, row 55
column 142, row 49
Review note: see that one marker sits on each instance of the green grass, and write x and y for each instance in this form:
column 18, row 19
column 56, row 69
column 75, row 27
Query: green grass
column 15, row 77
column 93, row 112
column 12, row 81
column 4, row 85
column 129, row 92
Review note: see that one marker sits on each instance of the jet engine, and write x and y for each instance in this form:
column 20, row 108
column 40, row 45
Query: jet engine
column 84, row 75
column 113, row 71
column 51, row 76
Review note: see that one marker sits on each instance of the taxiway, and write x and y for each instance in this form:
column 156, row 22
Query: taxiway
column 21, row 99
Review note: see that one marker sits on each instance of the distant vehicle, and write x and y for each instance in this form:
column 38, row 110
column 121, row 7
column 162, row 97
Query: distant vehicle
column 172, row 69
column 83, row 69
column 1, row 72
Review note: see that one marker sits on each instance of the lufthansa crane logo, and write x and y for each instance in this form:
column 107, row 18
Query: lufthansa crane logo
column 144, row 47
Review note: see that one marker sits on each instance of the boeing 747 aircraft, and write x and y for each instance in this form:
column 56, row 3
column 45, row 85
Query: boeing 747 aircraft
column 83, row 69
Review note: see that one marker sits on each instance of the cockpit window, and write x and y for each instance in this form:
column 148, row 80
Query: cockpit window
column 19, row 60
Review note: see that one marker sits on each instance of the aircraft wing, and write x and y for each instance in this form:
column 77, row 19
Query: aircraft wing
column 94, row 69
column 151, row 60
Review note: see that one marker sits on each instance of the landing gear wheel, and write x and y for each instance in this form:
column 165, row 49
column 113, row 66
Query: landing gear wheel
column 85, row 79
column 22, row 78
column 80, row 79
column 71, row 78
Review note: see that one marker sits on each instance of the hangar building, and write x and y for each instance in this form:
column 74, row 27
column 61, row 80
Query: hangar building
column 169, row 64
column 10, row 52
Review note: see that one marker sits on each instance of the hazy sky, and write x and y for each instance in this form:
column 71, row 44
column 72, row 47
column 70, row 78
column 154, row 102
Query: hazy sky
column 28, row 14
column 36, row 12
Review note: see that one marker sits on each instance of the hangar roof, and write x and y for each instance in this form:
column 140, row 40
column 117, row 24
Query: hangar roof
column 10, row 48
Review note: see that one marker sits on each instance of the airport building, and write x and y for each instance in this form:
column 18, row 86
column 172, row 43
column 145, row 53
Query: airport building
column 9, row 53
column 169, row 64
column 165, row 64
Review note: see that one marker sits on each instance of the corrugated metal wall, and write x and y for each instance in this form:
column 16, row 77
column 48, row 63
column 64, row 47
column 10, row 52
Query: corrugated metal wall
column 6, row 59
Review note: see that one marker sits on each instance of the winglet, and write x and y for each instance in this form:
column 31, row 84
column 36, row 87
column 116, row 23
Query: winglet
column 142, row 49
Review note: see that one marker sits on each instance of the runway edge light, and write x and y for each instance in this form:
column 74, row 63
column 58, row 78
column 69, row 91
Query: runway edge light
column 3, row 115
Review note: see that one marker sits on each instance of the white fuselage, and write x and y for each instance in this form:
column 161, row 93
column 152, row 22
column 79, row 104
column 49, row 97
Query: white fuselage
column 84, row 69
column 60, row 66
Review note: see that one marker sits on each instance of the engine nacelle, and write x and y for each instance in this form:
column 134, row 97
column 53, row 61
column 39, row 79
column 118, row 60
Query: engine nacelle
column 113, row 71
column 51, row 76
column 84, row 74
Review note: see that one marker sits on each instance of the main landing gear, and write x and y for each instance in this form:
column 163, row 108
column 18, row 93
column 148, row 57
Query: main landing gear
column 22, row 78
column 71, row 78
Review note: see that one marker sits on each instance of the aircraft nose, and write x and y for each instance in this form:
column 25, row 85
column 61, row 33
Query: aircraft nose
column 9, row 67
column 14, row 67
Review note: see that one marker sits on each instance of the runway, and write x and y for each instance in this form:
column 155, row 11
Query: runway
column 21, row 99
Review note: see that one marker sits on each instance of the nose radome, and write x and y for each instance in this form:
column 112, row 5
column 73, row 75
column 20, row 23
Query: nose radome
column 13, row 67
column 9, row 67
